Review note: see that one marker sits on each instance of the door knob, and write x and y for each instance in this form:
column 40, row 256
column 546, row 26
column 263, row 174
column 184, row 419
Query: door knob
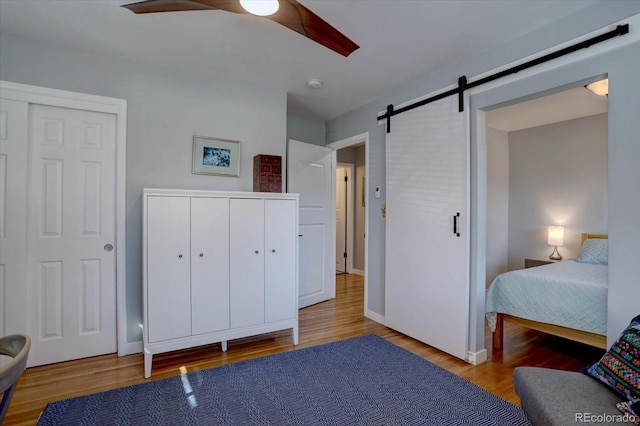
column 108, row 247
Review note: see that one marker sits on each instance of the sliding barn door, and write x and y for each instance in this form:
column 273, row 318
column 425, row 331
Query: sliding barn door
column 427, row 244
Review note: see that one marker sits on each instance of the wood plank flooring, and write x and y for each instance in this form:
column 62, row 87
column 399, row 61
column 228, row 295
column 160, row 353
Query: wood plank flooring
column 336, row 319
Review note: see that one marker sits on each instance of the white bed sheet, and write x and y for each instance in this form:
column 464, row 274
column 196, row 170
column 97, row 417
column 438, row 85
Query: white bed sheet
column 568, row 294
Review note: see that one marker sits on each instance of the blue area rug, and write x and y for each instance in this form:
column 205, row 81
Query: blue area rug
column 360, row 381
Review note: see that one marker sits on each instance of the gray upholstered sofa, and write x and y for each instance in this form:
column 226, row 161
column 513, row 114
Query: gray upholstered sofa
column 555, row 397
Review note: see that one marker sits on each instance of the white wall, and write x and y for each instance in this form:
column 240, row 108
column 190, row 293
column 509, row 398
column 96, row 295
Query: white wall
column 557, row 176
column 304, row 127
column 166, row 108
column 497, row 203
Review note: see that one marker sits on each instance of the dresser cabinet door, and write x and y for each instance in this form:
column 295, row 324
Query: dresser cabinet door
column 280, row 255
column 209, row 265
column 168, row 268
column 246, row 242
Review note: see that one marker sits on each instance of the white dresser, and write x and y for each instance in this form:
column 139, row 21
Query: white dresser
column 217, row 266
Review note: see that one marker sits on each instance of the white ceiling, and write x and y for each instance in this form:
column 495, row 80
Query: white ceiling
column 562, row 106
column 399, row 40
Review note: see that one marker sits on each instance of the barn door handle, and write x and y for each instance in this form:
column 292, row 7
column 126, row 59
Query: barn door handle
column 455, row 224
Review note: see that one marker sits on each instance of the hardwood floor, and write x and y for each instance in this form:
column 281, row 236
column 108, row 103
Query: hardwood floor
column 336, row 319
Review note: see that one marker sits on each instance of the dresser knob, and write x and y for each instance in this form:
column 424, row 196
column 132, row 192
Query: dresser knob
column 256, row 252
column 201, row 254
column 273, row 250
column 179, row 256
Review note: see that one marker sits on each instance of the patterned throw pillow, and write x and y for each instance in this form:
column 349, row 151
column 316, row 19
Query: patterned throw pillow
column 619, row 368
column 594, row 251
column 628, row 409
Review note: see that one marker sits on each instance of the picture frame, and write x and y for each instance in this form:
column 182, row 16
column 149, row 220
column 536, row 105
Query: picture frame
column 215, row 156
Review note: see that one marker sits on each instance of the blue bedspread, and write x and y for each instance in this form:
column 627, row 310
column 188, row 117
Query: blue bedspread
column 568, row 293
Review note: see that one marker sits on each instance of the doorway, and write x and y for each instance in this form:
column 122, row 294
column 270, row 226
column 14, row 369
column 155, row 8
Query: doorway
column 344, row 217
column 563, row 135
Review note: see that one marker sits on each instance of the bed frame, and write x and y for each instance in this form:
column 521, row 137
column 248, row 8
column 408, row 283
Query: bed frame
column 586, row 337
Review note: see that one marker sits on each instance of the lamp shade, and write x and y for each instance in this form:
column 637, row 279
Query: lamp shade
column 556, row 236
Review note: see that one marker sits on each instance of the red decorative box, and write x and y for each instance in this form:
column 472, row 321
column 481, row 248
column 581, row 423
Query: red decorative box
column 267, row 173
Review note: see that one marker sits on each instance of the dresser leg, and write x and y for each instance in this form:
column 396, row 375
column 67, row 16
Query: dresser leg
column 294, row 334
column 148, row 359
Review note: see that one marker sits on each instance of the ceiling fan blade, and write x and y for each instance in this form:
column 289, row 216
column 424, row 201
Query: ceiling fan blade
column 154, row 6
column 298, row 18
column 291, row 14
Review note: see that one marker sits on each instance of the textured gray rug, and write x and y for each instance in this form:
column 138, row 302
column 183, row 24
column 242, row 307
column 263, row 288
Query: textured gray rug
column 360, row 381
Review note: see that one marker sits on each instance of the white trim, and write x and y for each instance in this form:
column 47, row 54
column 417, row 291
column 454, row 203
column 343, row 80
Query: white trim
column 476, row 358
column 343, row 143
column 118, row 107
column 374, row 316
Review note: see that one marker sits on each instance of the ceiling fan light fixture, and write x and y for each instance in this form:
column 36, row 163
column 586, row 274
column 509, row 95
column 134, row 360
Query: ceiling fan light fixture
column 600, row 87
column 260, row 7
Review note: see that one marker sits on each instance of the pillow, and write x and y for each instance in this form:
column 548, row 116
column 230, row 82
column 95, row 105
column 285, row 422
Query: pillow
column 629, row 410
column 594, row 251
column 619, row 368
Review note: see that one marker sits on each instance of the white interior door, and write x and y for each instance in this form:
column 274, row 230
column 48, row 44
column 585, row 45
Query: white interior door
column 310, row 174
column 71, row 262
column 427, row 249
column 341, row 219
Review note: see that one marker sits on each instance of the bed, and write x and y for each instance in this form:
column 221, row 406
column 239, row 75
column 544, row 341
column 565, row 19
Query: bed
column 566, row 299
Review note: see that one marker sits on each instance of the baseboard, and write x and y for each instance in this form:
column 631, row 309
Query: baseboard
column 374, row 316
column 357, row 272
column 476, row 358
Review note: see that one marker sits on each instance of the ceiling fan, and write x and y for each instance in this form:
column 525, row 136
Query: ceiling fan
column 290, row 13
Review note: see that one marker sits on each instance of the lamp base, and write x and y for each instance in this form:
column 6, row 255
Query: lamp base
column 555, row 255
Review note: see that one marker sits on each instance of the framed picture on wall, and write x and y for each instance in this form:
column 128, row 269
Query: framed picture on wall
column 213, row 156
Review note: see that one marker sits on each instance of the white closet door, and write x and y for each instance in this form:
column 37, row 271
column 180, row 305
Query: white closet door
column 247, row 262
column 71, row 263
column 280, row 250
column 209, row 265
column 14, row 118
column 427, row 264
column 168, row 268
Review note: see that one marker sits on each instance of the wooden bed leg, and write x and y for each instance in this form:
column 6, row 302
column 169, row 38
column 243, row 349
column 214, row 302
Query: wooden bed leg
column 498, row 335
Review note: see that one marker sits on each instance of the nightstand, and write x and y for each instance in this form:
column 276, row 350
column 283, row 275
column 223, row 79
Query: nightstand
column 530, row 262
